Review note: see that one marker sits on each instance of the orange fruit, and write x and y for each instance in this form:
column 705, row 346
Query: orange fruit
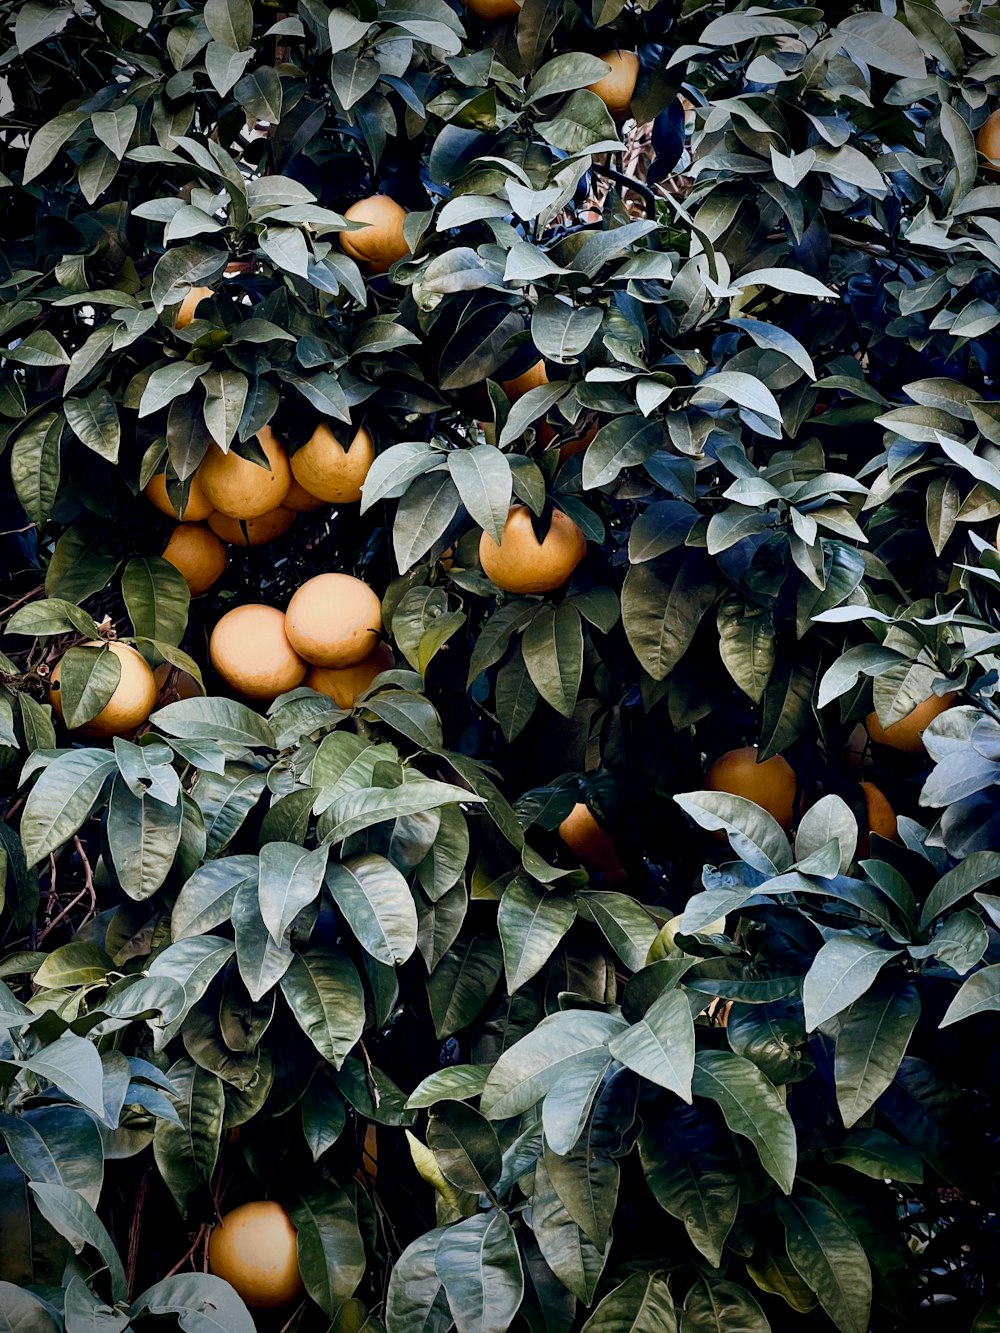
column 880, row 818
column 857, row 751
column 521, row 563
column 190, row 304
column 771, row 785
column 327, row 470
column 197, row 507
column 334, row 620
column 381, row 243
column 532, row 378
column 132, row 702
column 253, row 1248
column 344, row 684
column 590, row 843
column 615, row 89
column 299, row 499
column 172, row 684
column 492, row 11
column 988, row 139
column 907, row 733
column 241, row 489
column 198, row 555
column 259, row 530
column 250, row 650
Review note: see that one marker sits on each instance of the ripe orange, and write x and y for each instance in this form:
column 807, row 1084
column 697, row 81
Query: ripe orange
column 880, row 818
column 770, row 785
column 250, row 650
column 344, row 684
column 532, row 378
column 988, row 139
column 523, row 564
column 172, row 684
column 381, row 243
column 334, row 620
column 197, row 508
column 132, row 702
column 615, row 89
column 190, row 304
column 198, row 554
column 299, row 499
column 594, row 846
column 327, row 470
column 253, row 1248
column 259, row 530
column 907, row 733
column 241, row 489
column 492, row 11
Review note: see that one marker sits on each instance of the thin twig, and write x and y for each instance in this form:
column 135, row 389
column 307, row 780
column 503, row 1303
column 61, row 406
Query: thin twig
column 190, row 1254
column 26, row 598
column 132, row 1259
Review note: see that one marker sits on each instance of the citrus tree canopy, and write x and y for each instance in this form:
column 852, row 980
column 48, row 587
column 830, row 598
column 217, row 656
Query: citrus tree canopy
column 500, row 666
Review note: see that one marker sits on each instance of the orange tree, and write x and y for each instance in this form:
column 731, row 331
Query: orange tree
column 523, row 849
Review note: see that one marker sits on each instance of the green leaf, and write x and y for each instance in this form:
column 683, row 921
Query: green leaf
column 479, row 1266
column 35, row 465
column 752, row 1107
column 691, row 1166
column 202, row 1303
column 842, row 970
column 871, row 1042
column 324, row 992
column 88, row 677
column 531, row 924
column 483, row 479
column 74, row 1218
column 50, row 616
column 422, row 517
column 624, row 923
column 660, row 1046
column 58, row 1145
column 157, row 599
column 830, row 1260
column 61, row 800
column 881, row 42
column 715, row 1306
column 94, row 420
column 562, row 331
column 143, row 836
column 330, row 1250
column 553, row 654
column 290, row 879
column 50, row 137
column 453, row 1083
column 641, row 1304
column 26, row 1313
column 74, row 1066
column 661, row 616
column 416, row 1301
column 530, row 1069
column 465, row 1145
column 206, row 900
column 186, row 1153
column 215, row 719
column 624, row 442
column 377, row 904
column 576, row 1261
column 462, row 982
column 225, row 397
column 263, row 961
column 978, row 994
column 168, row 383
column 977, row 869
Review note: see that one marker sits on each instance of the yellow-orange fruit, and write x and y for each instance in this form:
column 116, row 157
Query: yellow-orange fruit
column 532, row 378
column 521, row 563
column 241, row 489
column 880, row 818
column 250, row 650
column 132, row 702
column 334, row 620
column 344, row 684
column 988, row 139
column 264, row 528
column 253, row 1248
column 381, row 242
column 492, row 11
column 615, row 89
column 198, row 555
column 590, row 843
column 189, row 305
column 771, row 785
column 907, row 733
column 299, row 499
column 172, row 684
column 197, row 507
column 326, row 469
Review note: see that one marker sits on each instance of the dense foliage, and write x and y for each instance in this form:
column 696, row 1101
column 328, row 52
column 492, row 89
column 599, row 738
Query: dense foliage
column 725, row 1079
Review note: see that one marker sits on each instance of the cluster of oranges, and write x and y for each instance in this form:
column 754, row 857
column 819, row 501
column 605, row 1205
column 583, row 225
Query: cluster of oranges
column 328, row 639
column 233, row 500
